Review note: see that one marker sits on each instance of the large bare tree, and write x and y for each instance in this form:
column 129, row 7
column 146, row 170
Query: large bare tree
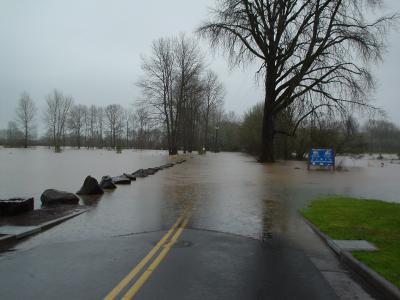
column 157, row 86
column 26, row 111
column 189, row 65
column 311, row 52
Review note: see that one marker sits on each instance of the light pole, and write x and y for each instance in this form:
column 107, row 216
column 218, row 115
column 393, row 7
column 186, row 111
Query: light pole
column 216, row 139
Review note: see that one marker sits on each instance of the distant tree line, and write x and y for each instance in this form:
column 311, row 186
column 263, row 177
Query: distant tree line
column 114, row 126
column 78, row 125
column 346, row 135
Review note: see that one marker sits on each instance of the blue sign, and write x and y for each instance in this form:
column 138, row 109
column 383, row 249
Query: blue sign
column 322, row 157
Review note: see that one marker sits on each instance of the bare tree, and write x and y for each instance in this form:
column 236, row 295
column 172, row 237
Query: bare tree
column 56, row 114
column 169, row 77
column 213, row 98
column 189, row 65
column 129, row 120
column 310, row 51
column 142, row 117
column 115, row 122
column 157, row 87
column 191, row 114
column 92, row 121
column 25, row 112
column 13, row 134
column 100, row 126
column 76, row 122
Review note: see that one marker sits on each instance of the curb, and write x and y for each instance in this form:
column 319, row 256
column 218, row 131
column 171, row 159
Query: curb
column 386, row 288
column 7, row 239
column 42, row 227
column 55, row 222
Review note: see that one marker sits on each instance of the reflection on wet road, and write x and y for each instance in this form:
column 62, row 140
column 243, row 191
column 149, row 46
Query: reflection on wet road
column 243, row 214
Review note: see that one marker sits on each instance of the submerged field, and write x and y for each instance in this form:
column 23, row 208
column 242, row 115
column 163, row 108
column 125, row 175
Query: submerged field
column 359, row 219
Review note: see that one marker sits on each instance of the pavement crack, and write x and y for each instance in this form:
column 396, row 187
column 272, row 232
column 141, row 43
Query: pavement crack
column 137, row 233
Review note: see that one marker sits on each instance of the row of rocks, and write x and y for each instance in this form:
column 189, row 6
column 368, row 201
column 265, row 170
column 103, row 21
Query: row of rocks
column 90, row 187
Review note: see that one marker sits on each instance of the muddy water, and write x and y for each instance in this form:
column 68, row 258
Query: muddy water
column 228, row 192
column 27, row 173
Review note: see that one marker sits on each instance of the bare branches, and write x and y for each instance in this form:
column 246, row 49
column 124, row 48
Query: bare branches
column 56, row 114
column 174, row 90
column 114, row 117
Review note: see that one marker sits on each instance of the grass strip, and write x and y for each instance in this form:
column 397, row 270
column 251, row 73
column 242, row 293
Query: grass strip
column 376, row 221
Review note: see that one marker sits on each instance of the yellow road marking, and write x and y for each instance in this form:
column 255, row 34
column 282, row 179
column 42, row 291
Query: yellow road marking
column 146, row 274
column 118, row 288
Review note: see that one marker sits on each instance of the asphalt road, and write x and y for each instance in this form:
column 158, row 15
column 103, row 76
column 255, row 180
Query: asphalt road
column 217, row 227
column 201, row 265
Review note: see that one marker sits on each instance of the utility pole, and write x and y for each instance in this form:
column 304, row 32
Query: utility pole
column 216, row 139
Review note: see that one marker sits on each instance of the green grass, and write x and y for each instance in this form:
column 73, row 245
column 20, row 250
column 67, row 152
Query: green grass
column 360, row 219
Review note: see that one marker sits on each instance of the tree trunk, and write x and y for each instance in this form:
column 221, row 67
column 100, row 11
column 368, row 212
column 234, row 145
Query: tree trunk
column 268, row 128
column 205, row 145
column 174, row 147
column 26, row 137
column 268, row 135
column 174, row 150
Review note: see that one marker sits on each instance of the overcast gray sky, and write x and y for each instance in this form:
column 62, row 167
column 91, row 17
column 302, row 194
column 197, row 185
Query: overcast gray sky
column 91, row 49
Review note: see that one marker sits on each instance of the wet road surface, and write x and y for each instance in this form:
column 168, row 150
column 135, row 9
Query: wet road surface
column 209, row 265
column 244, row 238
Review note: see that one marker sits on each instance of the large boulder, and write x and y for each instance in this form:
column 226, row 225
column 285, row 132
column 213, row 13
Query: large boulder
column 107, row 183
column 15, row 206
column 121, row 180
column 90, row 187
column 53, row 197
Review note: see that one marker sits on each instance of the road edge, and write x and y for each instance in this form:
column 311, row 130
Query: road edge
column 374, row 279
column 11, row 238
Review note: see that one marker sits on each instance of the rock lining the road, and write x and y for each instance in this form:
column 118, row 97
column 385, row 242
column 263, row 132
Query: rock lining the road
column 56, row 204
column 15, row 206
column 107, row 183
column 122, row 179
column 90, row 187
column 126, row 178
column 55, row 197
column 130, row 176
column 140, row 173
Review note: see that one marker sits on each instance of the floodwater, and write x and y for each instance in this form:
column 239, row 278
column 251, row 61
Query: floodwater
column 228, row 192
column 28, row 172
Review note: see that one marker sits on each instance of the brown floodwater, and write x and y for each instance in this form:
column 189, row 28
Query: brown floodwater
column 228, row 192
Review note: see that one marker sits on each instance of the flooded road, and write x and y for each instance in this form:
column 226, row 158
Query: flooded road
column 230, row 192
column 227, row 193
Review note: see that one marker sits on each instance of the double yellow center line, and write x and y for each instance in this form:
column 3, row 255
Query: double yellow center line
column 166, row 244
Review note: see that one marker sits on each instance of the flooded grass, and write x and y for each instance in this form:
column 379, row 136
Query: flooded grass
column 360, row 219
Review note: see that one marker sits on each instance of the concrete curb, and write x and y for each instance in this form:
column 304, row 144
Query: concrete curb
column 383, row 286
column 7, row 239
column 42, row 227
column 55, row 222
